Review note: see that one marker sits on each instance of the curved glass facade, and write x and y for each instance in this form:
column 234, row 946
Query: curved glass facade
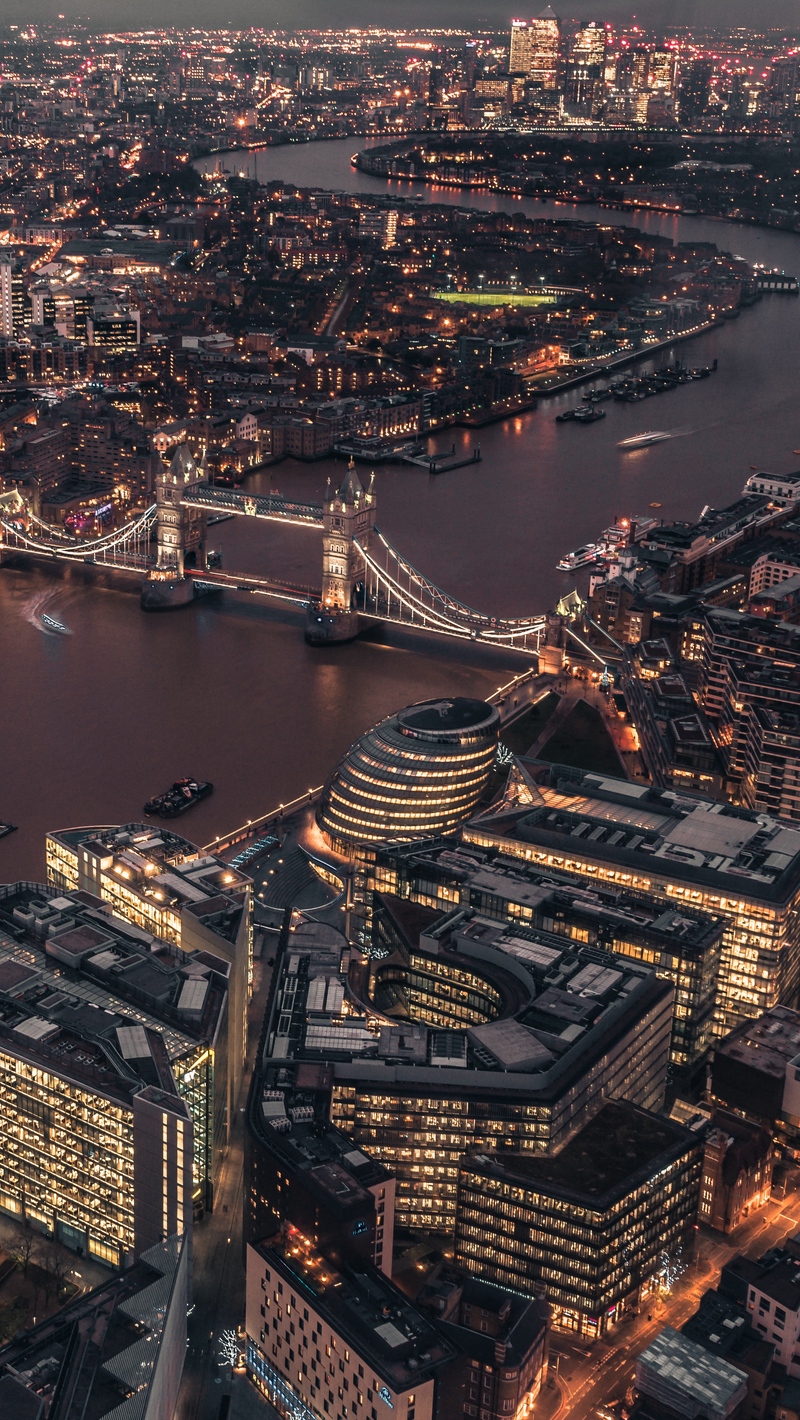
column 414, row 775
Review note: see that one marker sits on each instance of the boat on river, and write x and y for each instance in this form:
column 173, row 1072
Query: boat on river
column 182, row 796
column 51, row 624
column 644, row 440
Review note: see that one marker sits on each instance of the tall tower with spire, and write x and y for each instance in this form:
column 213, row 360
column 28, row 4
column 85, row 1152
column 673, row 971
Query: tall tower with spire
column 348, row 524
column 180, row 534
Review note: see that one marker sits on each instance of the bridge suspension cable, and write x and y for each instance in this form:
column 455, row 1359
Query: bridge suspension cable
column 397, row 591
column 62, row 545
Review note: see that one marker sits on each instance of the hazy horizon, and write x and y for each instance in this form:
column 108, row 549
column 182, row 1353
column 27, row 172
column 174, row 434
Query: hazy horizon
column 329, row 14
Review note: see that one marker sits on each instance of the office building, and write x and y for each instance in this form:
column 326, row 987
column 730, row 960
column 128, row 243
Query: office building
column 67, row 954
column 737, row 1171
column 330, row 1343
column 583, row 86
column 519, row 51
column 6, row 298
column 415, row 774
column 693, row 853
column 95, row 1142
column 755, row 1072
column 130, row 1369
column 545, row 49
column 683, row 1379
column 172, row 890
column 682, row 945
column 493, row 1041
column 588, row 1227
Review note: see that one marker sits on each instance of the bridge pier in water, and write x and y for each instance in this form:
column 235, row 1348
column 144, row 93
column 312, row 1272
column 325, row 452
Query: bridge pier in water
column 180, row 535
column 348, row 524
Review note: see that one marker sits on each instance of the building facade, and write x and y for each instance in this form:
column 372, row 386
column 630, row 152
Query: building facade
column 589, row 1227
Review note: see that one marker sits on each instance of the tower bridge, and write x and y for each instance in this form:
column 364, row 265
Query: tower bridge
column 365, row 580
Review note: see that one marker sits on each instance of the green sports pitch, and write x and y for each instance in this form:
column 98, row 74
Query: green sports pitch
column 496, row 298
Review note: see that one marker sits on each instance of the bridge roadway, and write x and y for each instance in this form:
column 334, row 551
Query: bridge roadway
column 216, row 580
column 254, row 505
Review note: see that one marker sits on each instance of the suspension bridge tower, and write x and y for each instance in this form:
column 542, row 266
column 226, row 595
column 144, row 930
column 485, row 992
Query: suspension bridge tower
column 348, row 523
column 180, row 534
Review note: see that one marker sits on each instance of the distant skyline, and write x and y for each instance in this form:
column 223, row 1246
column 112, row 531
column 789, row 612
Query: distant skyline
column 326, row 14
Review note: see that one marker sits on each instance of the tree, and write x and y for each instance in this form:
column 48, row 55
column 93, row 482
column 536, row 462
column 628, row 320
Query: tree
column 56, row 1269
column 25, row 1245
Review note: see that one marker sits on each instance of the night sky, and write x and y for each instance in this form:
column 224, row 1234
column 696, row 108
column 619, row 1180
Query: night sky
column 332, row 13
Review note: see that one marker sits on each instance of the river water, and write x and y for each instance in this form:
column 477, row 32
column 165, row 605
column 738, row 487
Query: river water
column 93, row 723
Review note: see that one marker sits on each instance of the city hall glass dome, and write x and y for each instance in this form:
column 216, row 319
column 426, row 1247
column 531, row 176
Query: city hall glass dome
column 418, row 773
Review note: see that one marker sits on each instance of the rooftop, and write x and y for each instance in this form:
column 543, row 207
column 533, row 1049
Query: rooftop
column 614, row 1153
column 67, row 956
column 675, row 1368
column 563, row 1006
column 399, row 1342
column 655, row 831
column 767, row 1044
column 161, row 867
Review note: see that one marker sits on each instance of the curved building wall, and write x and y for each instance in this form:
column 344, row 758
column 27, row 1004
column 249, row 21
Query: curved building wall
column 414, row 775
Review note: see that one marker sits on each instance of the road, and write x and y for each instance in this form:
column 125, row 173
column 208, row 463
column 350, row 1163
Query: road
column 585, row 1375
column 218, row 1287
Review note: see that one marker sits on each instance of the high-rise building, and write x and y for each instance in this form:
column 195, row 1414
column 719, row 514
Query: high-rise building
column 588, row 1228
column 170, row 889
column 519, row 52
column 95, row 1142
column 6, row 300
column 118, row 976
column 662, row 73
column 545, row 49
column 709, row 856
column 583, row 87
column 419, row 1055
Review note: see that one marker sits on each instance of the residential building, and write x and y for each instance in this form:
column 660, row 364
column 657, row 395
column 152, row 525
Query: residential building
column 588, row 1227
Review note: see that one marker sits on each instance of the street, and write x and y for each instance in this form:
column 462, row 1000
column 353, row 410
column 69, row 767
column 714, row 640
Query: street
column 585, row 1375
column 218, row 1288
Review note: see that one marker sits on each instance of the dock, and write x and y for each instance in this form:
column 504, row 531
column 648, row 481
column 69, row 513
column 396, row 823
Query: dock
column 443, row 463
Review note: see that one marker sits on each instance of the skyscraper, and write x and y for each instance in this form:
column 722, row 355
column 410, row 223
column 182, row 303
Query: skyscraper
column 584, row 78
column 6, row 298
column 545, row 47
column 519, row 53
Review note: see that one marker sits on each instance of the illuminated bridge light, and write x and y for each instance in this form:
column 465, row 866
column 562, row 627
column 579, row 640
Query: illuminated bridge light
column 418, row 773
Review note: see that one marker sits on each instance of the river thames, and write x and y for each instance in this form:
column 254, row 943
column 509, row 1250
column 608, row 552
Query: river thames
column 97, row 721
